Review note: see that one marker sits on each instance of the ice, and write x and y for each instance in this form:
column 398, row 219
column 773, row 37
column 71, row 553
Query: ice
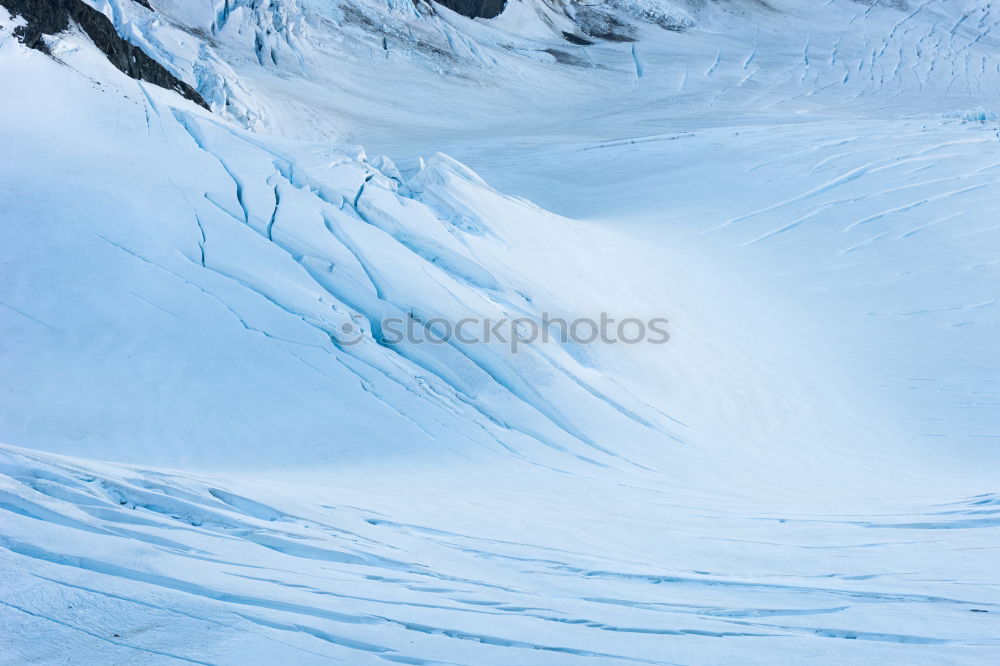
column 212, row 454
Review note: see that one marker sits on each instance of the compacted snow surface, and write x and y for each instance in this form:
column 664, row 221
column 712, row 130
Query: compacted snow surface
column 211, row 455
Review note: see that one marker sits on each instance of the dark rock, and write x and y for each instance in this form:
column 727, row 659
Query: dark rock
column 602, row 24
column 50, row 17
column 576, row 39
column 475, row 8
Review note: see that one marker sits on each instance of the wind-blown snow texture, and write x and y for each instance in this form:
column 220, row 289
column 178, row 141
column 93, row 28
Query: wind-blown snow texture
column 806, row 472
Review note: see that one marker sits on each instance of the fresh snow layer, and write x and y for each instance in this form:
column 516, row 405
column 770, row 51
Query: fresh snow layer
column 805, row 472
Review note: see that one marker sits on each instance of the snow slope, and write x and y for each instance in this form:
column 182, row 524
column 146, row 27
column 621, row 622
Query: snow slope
column 807, row 471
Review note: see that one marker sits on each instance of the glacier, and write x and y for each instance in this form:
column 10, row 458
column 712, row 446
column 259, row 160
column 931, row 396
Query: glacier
column 212, row 455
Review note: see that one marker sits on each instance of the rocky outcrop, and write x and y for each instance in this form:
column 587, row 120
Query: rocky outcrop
column 50, row 17
column 475, row 8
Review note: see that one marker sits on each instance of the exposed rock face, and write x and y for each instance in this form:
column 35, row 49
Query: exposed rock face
column 475, row 8
column 600, row 23
column 49, row 17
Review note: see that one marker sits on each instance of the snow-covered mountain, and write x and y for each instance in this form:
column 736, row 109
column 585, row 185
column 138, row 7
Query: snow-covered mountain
column 215, row 451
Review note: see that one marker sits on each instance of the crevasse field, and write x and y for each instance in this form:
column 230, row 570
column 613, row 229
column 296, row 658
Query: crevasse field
column 197, row 467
